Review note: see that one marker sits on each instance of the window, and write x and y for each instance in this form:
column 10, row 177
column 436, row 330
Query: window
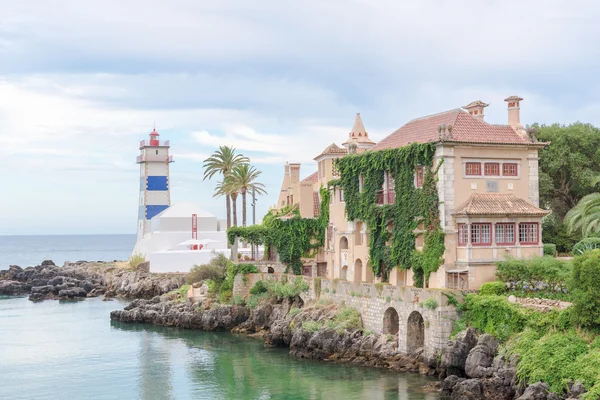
column 509, row 169
column 341, row 194
column 505, row 233
column 492, row 169
column 528, row 233
column 473, row 168
column 463, row 234
column 361, row 183
column 334, row 170
column 419, row 176
column 480, row 234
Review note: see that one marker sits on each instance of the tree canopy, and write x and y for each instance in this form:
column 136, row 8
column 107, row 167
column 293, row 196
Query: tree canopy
column 568, row 165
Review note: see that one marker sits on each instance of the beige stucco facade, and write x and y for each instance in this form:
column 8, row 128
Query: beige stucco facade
column 488, row 191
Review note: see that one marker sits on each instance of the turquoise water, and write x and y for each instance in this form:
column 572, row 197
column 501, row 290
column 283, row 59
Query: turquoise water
column 26, row 251
column 71, row 350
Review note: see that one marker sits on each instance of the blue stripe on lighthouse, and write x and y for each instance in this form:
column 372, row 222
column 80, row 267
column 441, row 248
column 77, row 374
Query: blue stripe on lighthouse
column 157, row 183
column 151, row 211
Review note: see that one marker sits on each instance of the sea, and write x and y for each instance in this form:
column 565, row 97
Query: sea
column 71, row 349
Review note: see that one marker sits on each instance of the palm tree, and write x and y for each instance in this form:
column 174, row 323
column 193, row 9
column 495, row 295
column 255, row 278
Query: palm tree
column 226, row 187
column 223, row 161
column 585, row 216
column 244, row 177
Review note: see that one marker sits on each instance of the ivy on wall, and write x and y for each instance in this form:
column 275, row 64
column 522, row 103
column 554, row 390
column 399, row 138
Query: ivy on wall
column 294, row 237
column 393, row 227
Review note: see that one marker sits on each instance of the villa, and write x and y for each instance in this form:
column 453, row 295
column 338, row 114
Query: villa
column 487, row 185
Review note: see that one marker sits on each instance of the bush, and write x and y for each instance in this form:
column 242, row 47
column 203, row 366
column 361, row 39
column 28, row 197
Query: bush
column 537, row 277
column 430, row 304
column 494, row 315
column 585, row 289
column 258, row 288
column 550, row 249
column 214, row 270
column 585, row 245
column 283, row 290
column 135, row 260
column 497, row 288
column 311, row 326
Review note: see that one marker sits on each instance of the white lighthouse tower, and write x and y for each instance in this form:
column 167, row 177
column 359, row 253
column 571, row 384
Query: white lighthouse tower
column 155, row 190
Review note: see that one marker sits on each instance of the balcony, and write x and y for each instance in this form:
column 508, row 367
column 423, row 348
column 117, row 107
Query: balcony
column 154, row 143
column 153, row 158
column 385, row 197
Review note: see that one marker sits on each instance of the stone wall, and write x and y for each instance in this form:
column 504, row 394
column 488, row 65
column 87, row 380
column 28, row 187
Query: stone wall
column 377, row 302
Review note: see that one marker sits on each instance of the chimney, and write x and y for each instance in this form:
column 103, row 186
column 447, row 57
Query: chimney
column 295, row 173
column 475, row 108
column 514, row 113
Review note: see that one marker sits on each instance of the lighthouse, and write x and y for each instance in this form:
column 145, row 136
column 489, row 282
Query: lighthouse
column 155, row 190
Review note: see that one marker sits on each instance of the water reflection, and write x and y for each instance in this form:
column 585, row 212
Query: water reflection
column 224, row 366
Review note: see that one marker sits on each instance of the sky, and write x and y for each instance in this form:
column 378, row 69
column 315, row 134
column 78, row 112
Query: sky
column 81, row 82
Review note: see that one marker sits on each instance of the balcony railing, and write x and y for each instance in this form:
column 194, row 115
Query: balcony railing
column 385, row 197
column 154, row 143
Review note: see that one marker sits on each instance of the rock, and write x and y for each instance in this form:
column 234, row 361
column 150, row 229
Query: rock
column 470, row 389
column 455, row 354
column 553, row 396
column 512, row 299
column 537, row 391
column 479, row 361
column 577, row 390
column 13, row 288
column 46, row 263
column 72, row 293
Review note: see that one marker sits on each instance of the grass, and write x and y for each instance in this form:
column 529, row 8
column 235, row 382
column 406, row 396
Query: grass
column 430, row 304
column 312, row 326
column 135, row 260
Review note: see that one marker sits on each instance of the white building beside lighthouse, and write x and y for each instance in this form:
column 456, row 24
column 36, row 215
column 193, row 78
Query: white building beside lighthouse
column 163, row 229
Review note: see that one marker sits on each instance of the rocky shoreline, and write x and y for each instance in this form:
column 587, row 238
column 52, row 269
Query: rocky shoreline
column 279, row 327
column 469, row 367
column 82, row 279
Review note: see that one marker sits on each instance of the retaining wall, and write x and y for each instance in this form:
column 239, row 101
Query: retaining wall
column 377, row 302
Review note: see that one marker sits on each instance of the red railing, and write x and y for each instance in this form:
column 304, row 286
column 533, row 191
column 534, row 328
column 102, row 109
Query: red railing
column 385, row 197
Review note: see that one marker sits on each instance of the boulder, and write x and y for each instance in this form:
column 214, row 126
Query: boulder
column 13, row 288
column 480, row 359
column 72, row 293
column 455, row 353
column 46, row 263
column 537, row 391
column 469, row 389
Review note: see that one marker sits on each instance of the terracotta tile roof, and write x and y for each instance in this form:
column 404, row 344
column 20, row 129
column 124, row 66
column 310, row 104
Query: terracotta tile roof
column 332, row 149
column 316, row 204
column 314, row 177
column 465, row 128
column 498, row 204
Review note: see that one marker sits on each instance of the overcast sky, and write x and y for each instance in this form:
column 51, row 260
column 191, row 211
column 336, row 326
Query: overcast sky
column 81, row 82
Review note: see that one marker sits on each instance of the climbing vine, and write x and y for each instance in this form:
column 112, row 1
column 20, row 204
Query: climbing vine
column 394, row 227
column 294, row 237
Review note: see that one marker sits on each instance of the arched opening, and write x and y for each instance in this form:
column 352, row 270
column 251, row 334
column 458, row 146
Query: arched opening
column 270, row 270
column 358, row 270
column 391, row 322
column 415, row 332
column 344, row 273
column 344, row 243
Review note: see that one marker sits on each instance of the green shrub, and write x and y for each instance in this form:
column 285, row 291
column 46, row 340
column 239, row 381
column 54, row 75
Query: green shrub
column 183, row 290
column 585, row 245
column 494, row 315
column 294, row 311
column 585, row 289
column 550, row 249
column 237, row 300
column 214, row 270
column 283, row 290
column 135, row 260
column 492, row 288
column 224, row 296
column 258, row 288
column 430, row 304
column 545, row 277
column 253, row 301
column 311, row 326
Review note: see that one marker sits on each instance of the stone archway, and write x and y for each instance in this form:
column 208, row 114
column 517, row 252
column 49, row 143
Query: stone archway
column 270, row 270
column 391, row 322
column 415, row 332
column 358, row 267
column 344, row 243
column 344, row 273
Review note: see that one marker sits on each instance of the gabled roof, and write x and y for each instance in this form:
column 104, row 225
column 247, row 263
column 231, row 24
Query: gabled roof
column 496, row 204
column 313, row 178
column 465, row 129
column 332, row 149
column 184, row 210
column 358, row 132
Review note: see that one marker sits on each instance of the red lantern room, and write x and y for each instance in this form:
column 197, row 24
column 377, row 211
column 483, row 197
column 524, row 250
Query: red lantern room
column 154, row 138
